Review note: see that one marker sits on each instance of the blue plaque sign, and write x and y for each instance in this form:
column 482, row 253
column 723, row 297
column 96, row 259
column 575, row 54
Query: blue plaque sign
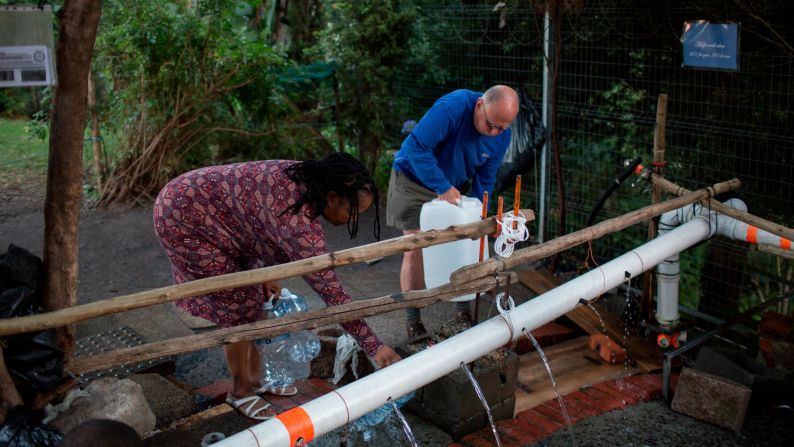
column 711, row 45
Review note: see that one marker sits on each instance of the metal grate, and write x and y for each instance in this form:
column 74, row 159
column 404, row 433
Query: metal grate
column 118, row 338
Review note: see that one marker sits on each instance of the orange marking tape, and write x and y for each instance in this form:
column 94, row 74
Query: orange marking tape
column 785, row 244
column 752, row 233
column 638, row 169
column 298, row 424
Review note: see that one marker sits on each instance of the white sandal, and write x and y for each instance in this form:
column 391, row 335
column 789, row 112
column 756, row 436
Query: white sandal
column 250, row 411
column 277, row 390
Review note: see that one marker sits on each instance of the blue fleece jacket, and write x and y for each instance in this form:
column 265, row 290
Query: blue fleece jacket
column 445, row 149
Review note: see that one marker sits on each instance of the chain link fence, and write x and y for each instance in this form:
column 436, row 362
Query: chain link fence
column 615, row 60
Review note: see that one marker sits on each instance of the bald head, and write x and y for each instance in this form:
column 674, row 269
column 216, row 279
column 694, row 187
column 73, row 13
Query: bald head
column 497, row 109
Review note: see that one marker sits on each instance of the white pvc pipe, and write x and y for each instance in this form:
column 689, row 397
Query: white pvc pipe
column 345, row 404
column 668, row 272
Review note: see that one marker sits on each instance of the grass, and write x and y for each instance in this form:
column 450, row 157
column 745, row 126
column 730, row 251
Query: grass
column 19, row 151
column 22, row 154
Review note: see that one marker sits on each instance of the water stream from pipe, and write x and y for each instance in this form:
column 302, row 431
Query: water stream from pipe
column 601, row 320
column 553, row 383
column 406, row 428
column 484, row 402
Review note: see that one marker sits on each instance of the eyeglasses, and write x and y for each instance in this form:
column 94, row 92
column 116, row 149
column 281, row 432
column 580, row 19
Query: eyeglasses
column 491, row 125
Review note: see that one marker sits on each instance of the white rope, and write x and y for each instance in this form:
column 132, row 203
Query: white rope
column 504, row 312
column 509, row 236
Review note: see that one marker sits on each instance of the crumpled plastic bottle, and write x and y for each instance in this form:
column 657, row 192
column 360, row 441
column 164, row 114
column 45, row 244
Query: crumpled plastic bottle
column 286, row 357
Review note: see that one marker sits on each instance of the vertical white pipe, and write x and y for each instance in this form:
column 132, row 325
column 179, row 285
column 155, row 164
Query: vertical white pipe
column 364, row 395
column 668, row 272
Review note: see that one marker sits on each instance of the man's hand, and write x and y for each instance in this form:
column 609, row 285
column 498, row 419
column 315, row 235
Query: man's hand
column 452, row 196
column 386, row 356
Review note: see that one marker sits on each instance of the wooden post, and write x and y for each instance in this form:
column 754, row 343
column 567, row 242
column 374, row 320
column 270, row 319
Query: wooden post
column 646, row 304
column 483, row 216
column 99, row 165
column 9, row 396
column 78, row 26
column 517, row 200
column 561, row 243
column 499, row 210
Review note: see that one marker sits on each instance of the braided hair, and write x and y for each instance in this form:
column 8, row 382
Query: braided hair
column 338, row 172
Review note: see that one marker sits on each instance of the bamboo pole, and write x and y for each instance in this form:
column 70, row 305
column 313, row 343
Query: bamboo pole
column 743, row 216
column 646, row 304
column 775, row 251
column 271, row 328
column 239, row 279
column 562, row 243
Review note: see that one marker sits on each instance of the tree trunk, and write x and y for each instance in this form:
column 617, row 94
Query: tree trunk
column 78, row 26
column 280, row 30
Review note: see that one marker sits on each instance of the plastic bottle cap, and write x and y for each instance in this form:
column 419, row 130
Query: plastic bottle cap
column 285, row 293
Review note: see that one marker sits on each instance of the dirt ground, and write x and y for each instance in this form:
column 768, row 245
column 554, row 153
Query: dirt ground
column 118, row 254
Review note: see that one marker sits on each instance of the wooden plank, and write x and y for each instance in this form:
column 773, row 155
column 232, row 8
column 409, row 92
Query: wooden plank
column 643, row 351
column 573, row 365
column 564, row 358
column 568, row 383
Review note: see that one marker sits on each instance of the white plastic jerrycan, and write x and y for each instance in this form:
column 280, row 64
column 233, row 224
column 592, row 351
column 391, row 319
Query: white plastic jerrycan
column 443, row 259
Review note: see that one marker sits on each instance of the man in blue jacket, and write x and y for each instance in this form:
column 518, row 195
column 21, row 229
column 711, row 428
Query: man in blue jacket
column 462, row 138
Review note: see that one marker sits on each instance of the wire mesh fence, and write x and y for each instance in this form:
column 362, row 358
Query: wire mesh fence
column 615, row 60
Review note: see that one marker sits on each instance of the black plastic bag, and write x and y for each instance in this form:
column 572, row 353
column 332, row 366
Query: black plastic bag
column 527, row 137
column 23, row 429
column 33, row 358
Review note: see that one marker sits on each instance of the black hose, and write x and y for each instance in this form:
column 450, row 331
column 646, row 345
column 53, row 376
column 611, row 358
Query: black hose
column 612, row 187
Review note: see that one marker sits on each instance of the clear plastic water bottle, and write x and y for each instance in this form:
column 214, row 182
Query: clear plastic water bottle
column 286, row 357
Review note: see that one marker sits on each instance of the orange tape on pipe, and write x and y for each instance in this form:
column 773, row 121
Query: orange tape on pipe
column 752, row 234
column 298, row 424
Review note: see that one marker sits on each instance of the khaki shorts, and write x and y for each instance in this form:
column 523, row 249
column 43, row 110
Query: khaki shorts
column 404, row 201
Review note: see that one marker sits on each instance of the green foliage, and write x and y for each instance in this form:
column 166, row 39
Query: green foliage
column 368, row 41
column 182, row 81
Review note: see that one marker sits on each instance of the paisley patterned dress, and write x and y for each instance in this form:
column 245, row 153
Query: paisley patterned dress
column 225, row 219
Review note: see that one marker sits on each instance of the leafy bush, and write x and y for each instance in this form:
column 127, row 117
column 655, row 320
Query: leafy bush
column 368, row 41
column 182, row 82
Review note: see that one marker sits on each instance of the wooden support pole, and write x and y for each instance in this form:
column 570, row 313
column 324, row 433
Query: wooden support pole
column 499, row 210
column 742, row 216
column 567, row 241
column 274, row 327
column 483, row 216
column 9, row 396
column 646, row 304
column 240, row 279
column 517, row 200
